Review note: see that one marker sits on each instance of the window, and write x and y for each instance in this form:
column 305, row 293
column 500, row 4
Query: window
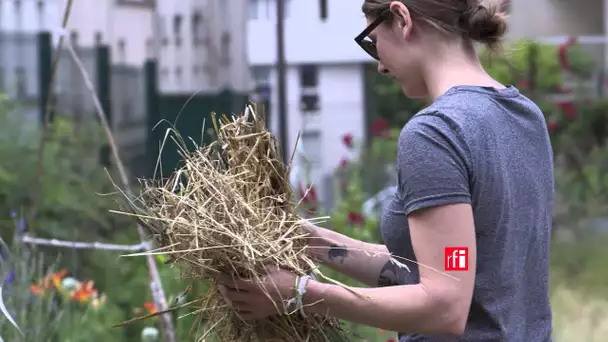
column 287, row 9
column 74, row 38
column 162, row 30
column 40, row 10
column 21, row 78
column 309, row 102
column 197, row 20
column 122, row 54
column 311, row 143
column 226, row 48
column 323, row 9
column 164, row 74
column 261, row 75
column 254, row 8
column 309, row 80
column 261, row 78
column 177, row 29
column 309, row 76
column 149, row 48
column 178, row 75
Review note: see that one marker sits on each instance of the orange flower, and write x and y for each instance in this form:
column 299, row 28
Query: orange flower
column 37, row 290
column 57, row 277
column 53, row 280
column 151, row 307
column 84, row 292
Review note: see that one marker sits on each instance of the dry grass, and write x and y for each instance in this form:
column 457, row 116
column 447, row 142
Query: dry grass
column 229, row 209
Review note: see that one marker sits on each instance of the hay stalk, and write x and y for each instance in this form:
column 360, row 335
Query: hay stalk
column 229, row 209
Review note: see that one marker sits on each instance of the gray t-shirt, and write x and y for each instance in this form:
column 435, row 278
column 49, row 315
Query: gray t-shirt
column 490, row 148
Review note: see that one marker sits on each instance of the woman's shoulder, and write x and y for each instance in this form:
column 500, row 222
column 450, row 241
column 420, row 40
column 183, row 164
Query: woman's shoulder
column 473, row 111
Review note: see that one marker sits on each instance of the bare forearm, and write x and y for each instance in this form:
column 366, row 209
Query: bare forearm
column 359, row 260
column 405, row 308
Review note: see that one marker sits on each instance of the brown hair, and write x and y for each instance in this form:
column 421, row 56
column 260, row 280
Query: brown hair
column 473, row 19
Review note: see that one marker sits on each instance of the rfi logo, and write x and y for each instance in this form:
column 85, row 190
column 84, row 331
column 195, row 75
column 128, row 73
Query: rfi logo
column 456, row 258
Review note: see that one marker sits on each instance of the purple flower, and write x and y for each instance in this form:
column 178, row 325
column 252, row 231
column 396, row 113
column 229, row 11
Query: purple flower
column 21, row 226
column 13, row 214
column 10, row 277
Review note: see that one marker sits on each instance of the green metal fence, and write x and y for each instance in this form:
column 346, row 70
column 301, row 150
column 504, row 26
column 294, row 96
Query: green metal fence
column 24, row 70
column 129, row 95
column 189, row 115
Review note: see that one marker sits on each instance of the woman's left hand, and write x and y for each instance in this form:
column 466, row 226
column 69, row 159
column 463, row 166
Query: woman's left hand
column 259, row 298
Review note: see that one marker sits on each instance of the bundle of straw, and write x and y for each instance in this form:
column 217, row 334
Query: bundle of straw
column 229, row 209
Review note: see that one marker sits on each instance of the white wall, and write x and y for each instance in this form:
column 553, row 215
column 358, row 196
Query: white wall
column 29, row 15
column 330, row 45
column 308, row 39
column 340, row 87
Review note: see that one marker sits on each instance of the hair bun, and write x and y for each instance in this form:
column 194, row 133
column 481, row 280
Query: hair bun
column 486, row 24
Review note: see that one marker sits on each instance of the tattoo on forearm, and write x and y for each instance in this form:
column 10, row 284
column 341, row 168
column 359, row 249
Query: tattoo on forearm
column 337, row 253
column 388, row 275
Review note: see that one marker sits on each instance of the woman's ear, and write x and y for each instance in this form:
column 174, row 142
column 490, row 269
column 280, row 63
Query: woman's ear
column 402, row 18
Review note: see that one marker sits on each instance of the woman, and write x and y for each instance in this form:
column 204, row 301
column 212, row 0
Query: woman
column 475, row 175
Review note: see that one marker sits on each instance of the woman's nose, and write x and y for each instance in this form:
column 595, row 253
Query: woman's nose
column 382, row 69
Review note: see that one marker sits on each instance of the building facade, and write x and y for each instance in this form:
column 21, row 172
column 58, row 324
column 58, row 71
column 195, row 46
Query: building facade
column 202, row 46
column 90, row 22
column 325, row 77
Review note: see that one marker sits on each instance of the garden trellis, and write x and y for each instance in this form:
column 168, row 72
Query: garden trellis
column 166, row 322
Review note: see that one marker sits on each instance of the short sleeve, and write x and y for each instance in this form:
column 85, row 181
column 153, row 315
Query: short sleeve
column 433, row 164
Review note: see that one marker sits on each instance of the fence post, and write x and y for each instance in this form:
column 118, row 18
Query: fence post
column 45, row 59
column 152, row 101
column 369, row 101
column 103, row 80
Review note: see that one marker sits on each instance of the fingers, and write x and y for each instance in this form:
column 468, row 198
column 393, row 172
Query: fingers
column 235, row 283
column 247, row 305
column 233, row 294
column 236, row 299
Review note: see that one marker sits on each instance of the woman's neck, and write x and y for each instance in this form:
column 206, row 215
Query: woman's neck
column 454, row 67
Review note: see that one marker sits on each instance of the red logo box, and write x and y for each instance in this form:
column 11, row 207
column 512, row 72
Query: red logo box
column 456, row 258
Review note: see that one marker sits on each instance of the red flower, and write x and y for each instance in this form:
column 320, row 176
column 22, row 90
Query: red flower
column 309, row 197
column 347, row 139
column 568, row 108
column 355, row 218
column 523, row 84
column 150, row 307
column 552, row 126
column 380, row 128
column 560, row 89
column 563, row 53
column 391, row 340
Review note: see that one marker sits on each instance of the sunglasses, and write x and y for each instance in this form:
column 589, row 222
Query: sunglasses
column 365, row 42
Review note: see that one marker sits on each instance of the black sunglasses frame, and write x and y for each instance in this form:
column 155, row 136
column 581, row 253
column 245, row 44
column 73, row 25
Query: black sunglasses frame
column 368, row 45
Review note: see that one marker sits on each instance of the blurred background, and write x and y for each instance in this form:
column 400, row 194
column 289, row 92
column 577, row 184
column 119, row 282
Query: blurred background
column 135, row 68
